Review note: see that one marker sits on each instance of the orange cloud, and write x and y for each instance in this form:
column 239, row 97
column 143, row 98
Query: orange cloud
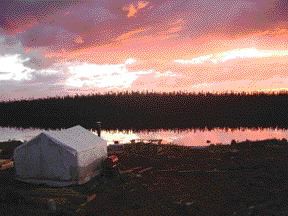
column 133, row 9
column 129, row 34
column 274, row 32
column 176, row 26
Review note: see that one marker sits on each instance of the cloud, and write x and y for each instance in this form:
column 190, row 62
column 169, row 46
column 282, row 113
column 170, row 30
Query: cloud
column 102, row 75
column 234, row 54
column 78, row 40
column 34, row 58
column 10, row 90
column 258, row 16
column 60, row 22
column 67, row 27
column 130, row 34
column 280, row 10
column 20, row 81
column 57, row 42
column 133, row 9
column 165, row 74
column 190, row 83
column 19, row 15
column 50, row 36
column 15, row 68
column 58, row 26
column 130, row 61
column 85, row 78
column 274, row 83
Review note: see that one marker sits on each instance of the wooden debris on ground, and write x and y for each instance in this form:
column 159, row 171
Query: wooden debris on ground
column 6, row 164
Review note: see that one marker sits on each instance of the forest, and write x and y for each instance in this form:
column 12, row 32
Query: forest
column 138, row 110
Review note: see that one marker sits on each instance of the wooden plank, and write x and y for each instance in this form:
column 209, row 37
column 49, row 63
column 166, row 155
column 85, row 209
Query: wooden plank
column 130, row 170
column 145, row 170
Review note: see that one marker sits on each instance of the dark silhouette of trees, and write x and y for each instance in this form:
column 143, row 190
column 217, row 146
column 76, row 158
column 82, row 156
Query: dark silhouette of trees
column 135, row 110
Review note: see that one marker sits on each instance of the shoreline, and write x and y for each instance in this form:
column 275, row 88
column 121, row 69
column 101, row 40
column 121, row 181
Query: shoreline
column 247, row 178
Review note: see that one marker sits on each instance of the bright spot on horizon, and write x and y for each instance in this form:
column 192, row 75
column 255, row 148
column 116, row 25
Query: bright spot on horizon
column 123, row 137
column 234, row 54
column 274, row 90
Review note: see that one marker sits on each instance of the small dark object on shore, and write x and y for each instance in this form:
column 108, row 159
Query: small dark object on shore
column 98, row 126
column 111, row 165
column 7, row 148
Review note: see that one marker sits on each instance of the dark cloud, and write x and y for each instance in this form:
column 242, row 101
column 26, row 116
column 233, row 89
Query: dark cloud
column 91, row 17
column 280, row 11
column 14, row 14
column 50, row 36
column 47, row 24
column 10, row 45
column 90, row 21
column 259, row 16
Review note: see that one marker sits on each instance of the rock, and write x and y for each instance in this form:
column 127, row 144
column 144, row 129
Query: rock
column 189, row 203
column 251, row 210
column 91, row 197
column 51, row 205
column 177, row 203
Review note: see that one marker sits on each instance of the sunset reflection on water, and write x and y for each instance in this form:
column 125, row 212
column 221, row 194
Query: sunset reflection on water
column 196, row 137
column 188, row 137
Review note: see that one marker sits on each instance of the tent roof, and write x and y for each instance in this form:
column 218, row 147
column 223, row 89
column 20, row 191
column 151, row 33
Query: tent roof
column 76, row 137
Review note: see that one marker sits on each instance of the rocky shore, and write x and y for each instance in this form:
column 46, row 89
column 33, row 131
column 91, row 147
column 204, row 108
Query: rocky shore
column 247, row 178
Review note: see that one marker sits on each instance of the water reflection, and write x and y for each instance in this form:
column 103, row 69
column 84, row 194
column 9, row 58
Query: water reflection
column 189, row 137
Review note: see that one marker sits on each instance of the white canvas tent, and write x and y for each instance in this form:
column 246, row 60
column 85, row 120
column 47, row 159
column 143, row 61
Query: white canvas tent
column 60, row 158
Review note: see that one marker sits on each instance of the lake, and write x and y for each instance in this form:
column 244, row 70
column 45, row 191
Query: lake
column 188, row 137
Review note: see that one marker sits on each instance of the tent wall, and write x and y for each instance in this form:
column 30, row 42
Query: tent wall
column 42, row 160
column 27, row 159
column 90, row 162
column 57, row 163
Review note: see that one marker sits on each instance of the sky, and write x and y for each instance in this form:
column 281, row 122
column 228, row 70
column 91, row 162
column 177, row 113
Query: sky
column 56, row 47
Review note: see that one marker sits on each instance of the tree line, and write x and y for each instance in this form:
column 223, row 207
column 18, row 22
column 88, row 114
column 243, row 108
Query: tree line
column 136, row 110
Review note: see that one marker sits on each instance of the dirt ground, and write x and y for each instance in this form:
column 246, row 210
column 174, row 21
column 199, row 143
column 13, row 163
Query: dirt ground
column 248, row 178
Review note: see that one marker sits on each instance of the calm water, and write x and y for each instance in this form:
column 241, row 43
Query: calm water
column 189, row 137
